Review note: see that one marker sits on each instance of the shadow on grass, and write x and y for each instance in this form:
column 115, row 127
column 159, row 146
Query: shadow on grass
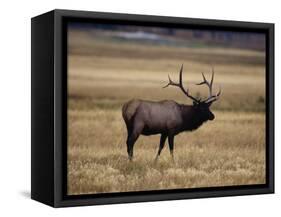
column 25, row 194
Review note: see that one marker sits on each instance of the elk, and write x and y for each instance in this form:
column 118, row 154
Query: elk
column 167, row 118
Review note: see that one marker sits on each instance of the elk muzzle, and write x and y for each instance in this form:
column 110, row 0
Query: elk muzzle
column 211, row 116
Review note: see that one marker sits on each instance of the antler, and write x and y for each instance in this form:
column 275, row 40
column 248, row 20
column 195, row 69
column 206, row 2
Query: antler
column 211, row 97
column 180, row 85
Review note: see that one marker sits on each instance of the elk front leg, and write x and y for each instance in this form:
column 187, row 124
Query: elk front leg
column 161, row 145
column 171, row 145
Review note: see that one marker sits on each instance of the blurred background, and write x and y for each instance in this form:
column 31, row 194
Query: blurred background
column 133, row 62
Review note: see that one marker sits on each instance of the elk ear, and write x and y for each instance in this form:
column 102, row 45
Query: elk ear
column 195, row 103
column 209, row 104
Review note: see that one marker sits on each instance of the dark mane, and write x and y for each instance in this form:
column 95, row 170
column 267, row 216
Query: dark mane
column 192, row 117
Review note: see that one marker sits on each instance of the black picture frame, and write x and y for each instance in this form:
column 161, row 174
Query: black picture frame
column 49, row 108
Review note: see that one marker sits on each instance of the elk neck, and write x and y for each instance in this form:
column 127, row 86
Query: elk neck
column 192, row 118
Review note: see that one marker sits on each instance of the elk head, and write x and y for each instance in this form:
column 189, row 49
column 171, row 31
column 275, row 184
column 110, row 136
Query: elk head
column 202, row 106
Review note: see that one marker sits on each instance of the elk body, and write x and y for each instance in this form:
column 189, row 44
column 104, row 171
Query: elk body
column 167, row 118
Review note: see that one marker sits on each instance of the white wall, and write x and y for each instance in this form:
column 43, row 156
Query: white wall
column 15, row 106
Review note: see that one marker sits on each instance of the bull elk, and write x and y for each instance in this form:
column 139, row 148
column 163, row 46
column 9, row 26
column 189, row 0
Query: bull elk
column 167, row 117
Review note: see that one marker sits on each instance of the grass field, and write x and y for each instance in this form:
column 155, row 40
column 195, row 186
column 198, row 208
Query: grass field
column 104, row 73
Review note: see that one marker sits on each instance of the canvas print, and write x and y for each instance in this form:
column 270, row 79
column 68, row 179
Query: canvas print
column 157, row 108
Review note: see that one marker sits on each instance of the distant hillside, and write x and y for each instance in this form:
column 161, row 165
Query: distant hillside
column 244, row 40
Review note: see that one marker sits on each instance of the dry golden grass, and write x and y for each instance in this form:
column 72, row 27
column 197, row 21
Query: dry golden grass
column 227, row 151
column 103, row 75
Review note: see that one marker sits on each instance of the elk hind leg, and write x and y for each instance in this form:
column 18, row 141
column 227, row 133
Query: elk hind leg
column 161, row 145
column 132, row 138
